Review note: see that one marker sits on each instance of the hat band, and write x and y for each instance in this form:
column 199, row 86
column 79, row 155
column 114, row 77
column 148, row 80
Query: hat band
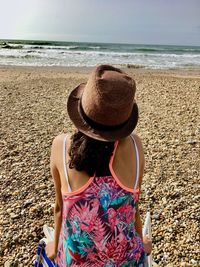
column 98, row 126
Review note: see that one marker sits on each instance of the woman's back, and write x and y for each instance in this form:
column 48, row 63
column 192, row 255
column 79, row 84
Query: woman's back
column 97, row 178
column 124, row 163
column 98, row 218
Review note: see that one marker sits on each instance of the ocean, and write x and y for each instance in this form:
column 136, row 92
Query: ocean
column 72, row 54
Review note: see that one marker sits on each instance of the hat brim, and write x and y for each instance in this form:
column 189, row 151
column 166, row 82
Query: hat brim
column 73, row 108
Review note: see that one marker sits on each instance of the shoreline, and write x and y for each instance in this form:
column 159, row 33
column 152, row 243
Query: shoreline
column 177, row 72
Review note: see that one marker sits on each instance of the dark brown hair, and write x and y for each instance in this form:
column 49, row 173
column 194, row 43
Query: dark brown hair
column 90, row 155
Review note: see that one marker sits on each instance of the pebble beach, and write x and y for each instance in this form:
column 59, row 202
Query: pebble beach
column 33, row 112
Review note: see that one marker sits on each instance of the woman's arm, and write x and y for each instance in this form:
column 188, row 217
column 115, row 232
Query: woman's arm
column 138, row 226
column 58, row 207
column 138, row 223
column 52, row 247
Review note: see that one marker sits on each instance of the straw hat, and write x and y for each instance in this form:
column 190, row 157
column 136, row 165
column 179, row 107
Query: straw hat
column 104, row 108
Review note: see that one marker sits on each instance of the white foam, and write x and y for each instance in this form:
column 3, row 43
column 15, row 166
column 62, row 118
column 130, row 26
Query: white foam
column 30, row 55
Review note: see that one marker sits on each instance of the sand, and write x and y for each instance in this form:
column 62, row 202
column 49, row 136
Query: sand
column 33, row 112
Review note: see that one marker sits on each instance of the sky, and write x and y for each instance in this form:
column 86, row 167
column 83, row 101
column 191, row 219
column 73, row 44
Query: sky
column 115, row 21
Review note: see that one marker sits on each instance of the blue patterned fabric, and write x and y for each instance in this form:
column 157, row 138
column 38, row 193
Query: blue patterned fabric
column 42, row 260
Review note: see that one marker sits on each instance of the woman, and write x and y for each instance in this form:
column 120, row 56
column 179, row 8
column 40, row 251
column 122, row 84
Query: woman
column 97, row 175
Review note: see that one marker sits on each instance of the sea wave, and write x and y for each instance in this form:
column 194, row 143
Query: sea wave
column 8, row 46
column 21, row 56
column 45, row 53
column 84, row 48
column 11, row 44
column 169, row 50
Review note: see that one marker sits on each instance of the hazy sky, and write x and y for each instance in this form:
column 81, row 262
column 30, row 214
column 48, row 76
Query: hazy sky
column 124, row 21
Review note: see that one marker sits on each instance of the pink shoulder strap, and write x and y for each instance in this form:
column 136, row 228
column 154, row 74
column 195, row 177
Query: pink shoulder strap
column 65, row 163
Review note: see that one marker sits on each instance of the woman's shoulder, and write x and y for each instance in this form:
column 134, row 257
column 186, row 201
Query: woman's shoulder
column 57, row 148
column 137, row 140
column 141, row 155
column 125, row 142
column 58, row 140
column 140, row 148
column 58, row 144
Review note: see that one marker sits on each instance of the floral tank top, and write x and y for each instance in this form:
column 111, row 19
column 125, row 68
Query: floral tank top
column 98, row 223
